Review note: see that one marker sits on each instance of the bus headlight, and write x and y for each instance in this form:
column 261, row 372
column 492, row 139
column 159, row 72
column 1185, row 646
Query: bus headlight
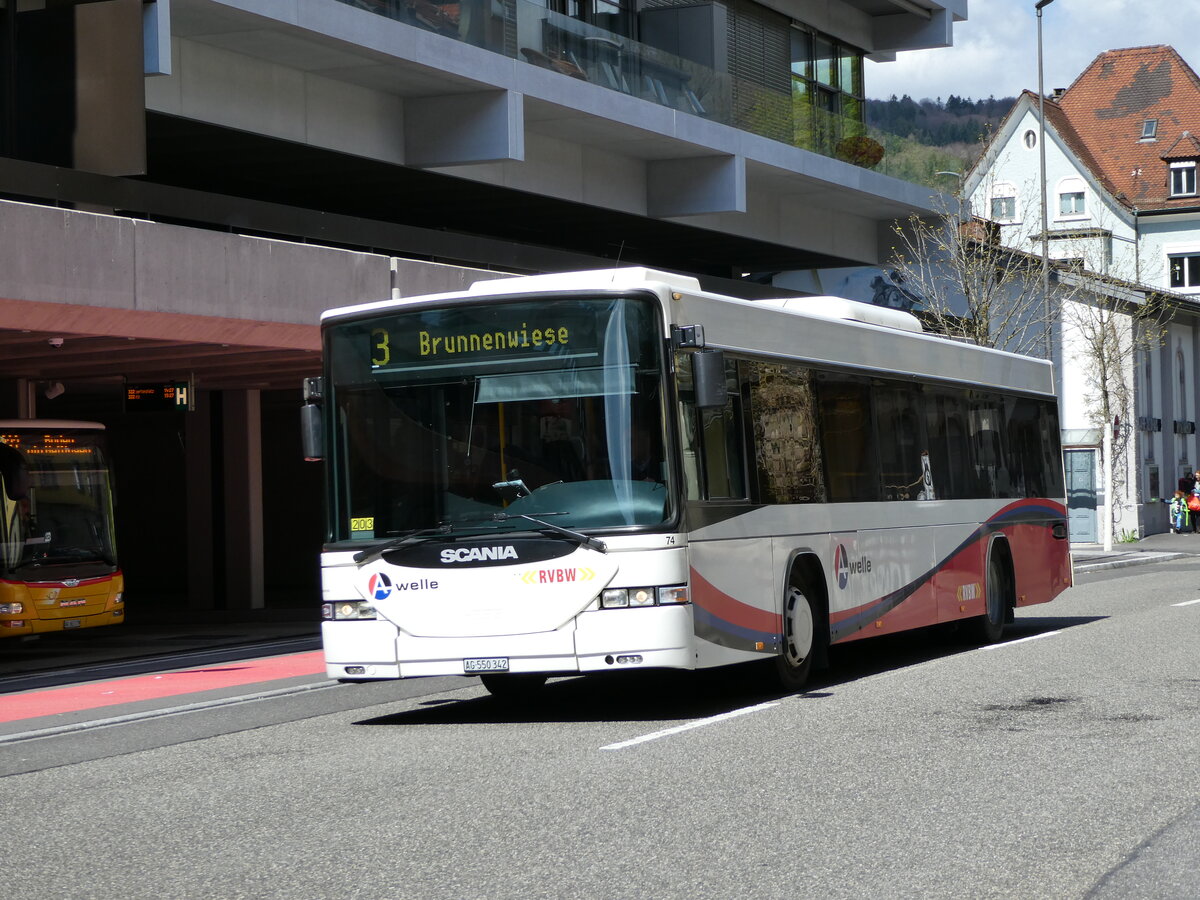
column 667, row 595
column 621, row 598
column 11, row 609
column 347, row 609
column 641, row 596
column 614, row 598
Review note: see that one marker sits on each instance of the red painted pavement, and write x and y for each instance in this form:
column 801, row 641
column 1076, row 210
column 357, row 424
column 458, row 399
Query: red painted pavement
column 96, row 694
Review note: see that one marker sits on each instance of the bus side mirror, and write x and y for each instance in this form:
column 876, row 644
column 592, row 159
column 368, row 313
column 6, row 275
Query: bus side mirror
column 310, row 432
column 708, row 378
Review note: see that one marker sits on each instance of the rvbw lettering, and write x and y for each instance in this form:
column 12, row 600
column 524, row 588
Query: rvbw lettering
column 477, row 554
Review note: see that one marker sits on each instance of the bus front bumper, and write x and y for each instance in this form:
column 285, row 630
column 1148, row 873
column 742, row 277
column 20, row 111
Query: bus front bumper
column 594, row 641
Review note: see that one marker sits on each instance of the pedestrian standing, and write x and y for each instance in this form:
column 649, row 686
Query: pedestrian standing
column 1194, row 502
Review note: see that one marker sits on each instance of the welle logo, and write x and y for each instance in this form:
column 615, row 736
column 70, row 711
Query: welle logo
column 845, row 566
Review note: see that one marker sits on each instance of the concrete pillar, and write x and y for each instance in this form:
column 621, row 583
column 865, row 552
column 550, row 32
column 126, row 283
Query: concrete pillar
column 241, row 437
column 26, row 398
column 198, row 464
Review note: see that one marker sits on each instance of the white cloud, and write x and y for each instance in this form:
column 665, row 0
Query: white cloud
column 995, row 50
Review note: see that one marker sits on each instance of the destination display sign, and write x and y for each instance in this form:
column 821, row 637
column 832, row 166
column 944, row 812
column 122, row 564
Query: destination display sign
column 498, row 333
column 48, row 443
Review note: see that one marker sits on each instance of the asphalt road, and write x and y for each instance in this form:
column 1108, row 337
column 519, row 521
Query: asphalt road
column 1062, row 764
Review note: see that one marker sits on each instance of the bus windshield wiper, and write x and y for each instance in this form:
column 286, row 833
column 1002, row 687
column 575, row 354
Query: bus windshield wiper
column 368, row 556
column 549, row 528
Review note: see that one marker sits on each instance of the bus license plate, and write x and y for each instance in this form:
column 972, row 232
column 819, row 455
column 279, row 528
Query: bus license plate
column 71, row 623
column 492, row 664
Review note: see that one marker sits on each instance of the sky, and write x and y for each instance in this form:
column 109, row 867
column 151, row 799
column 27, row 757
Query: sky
column 995, row 49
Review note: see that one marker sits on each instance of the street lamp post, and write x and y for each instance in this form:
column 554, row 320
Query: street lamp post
column 1049, row 325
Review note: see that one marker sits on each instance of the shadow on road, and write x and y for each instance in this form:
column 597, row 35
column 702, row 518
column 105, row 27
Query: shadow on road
column 664, row 696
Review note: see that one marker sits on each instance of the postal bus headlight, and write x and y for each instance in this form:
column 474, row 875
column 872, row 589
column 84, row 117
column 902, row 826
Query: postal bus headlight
column 11, row 609
column 346, row 610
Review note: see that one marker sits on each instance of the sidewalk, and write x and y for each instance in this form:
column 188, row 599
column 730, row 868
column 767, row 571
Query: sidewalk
column 1151, row 549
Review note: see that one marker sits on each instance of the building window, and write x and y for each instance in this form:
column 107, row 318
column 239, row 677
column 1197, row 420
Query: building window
column 1149, row 129
column 1030, row 139
column 1183, row 179
column 827, row 90
column 1148, row 397
column 1071, row 203
column 1185, row 270
column 1004, row 209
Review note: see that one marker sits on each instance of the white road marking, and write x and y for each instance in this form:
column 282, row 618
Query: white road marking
column 1186, row 603
column 690, row 725
column 1036, row 637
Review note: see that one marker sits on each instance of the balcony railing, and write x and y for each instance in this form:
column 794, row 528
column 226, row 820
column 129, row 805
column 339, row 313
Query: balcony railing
column 523, row 30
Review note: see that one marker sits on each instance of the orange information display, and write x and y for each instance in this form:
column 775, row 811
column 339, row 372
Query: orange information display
column 58, row 560
column 169, row 396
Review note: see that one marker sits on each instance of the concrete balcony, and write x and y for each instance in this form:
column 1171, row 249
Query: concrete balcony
column 510, row 95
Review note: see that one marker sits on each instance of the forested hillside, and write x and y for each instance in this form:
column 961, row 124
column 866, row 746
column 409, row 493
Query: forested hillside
column 959, row 120
column 924, row 137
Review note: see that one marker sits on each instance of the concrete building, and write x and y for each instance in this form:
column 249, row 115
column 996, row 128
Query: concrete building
column 186, row 184
column 1121, row 155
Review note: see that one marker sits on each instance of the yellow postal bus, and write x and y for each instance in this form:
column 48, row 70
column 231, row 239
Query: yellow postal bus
column 58, row 559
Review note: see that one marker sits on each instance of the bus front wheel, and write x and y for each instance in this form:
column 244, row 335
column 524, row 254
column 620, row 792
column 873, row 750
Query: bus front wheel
column 799, row 640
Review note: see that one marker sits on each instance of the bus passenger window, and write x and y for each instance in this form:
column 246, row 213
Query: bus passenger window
column 724, row 456
column 994, row 477
column 847, row 446
column 787, row 451
column 722, row 459
column 897, row 428
column 949, row 447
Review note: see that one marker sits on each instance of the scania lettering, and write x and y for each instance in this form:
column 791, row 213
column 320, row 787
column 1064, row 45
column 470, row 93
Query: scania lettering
column 582, row 472
column 471, row 554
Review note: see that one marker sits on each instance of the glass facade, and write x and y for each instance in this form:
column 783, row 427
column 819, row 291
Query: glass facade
column 827, row 91
column 816, row 101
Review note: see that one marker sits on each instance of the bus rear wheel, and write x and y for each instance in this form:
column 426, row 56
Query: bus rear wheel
column 989, row 628
column 792, row 666
column 525, row 686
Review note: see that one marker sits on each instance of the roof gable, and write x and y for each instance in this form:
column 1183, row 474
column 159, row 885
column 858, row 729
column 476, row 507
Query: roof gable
column 1106, row 109
column 1187, row 147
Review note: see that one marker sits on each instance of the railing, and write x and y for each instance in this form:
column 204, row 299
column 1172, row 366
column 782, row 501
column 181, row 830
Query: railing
column 523, row 30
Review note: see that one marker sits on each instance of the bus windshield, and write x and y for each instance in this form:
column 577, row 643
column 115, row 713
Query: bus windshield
column 451, row 415
column 57, row 512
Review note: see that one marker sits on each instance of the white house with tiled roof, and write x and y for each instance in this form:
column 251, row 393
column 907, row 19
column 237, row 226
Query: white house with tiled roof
column 1121, row 150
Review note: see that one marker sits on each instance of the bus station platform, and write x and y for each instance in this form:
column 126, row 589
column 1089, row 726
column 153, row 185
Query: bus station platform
column 175, row 636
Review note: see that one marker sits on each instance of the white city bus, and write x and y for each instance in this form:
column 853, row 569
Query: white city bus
column 613, row 470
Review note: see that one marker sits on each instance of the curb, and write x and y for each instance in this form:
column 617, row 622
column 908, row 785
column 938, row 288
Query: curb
column 1142, row 559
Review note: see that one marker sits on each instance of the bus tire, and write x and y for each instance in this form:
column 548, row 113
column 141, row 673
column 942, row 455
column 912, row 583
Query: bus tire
column 509, row 687
column 989, row 628
column 800, row 617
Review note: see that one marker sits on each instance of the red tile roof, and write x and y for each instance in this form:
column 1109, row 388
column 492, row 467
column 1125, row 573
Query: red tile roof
column 1104, row 111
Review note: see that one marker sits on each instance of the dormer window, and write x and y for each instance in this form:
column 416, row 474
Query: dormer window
column 1149, row 129
column 1183, row 178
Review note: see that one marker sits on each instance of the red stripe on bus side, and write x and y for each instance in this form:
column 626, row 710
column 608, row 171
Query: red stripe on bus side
column 720, row 604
